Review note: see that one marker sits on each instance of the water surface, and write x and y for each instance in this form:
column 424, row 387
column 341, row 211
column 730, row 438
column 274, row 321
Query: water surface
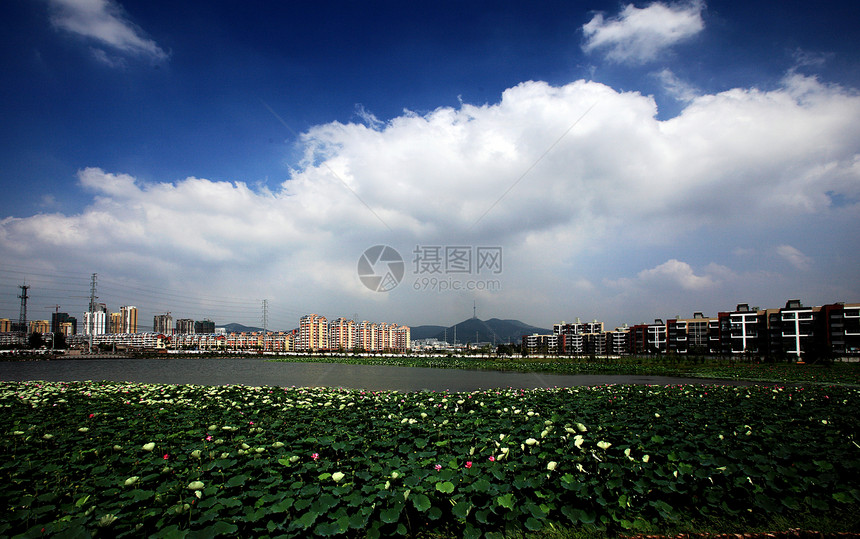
column 257, row 372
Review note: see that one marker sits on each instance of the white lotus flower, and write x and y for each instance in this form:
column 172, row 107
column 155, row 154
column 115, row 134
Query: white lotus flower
column 581, row 427
column 148, row 447
column 337, row 476
column 131, row 480
column 578, row 441
column 195, row 485
column 604, row 445
column 551, row 465
column 531, row 441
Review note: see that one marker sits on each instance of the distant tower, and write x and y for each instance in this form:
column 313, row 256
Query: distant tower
column 474, row 309
column 22, row 316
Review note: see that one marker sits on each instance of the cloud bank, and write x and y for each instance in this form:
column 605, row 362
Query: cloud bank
column 730, row 165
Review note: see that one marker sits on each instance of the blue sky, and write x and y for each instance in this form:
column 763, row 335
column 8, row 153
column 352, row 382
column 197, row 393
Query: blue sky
column 632, row 161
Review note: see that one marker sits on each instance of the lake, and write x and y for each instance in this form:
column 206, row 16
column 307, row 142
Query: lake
column 258, row 372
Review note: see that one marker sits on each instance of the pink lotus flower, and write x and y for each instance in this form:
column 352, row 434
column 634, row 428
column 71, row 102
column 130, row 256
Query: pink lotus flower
column 166, row 457
column 438, row 467
column 315, row 456
column 468, row 464
column 492, row 458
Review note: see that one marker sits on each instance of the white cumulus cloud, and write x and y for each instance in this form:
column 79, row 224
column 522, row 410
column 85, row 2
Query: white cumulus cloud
column 639, row 35
column 105, row 23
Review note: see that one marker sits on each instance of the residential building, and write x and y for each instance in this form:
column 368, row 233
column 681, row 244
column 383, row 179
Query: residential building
column 132, row 341
column 5, row 325
column 128, row 319
column 184, row 326
column 798, row 335
column 342, row 334
column 199, row 341
column 648, row 338
column 313, row 333
column 68, row 328
column 58, row 319
column 595, row 343
column 540, row 344
column 115, row 323
column 96, row 322
column 744, row 331
column 402, row 339
column 163, row 323
column 204, row 326
column 367, row 336
column 690, row 335
column 618, row 341
column 570, row 338
column 40, row 326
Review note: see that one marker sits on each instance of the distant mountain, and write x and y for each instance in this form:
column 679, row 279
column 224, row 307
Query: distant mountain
column 475, row 330
column 425, row 332
column 233, row 327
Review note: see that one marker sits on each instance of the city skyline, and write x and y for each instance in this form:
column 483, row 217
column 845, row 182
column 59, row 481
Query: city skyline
column 607, row 160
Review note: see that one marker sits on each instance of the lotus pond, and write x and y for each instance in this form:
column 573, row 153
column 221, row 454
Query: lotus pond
column 118, row 459
column 665, row 365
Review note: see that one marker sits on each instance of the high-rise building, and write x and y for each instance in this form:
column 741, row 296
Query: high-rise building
column 115, row 323
column 367, row 336
column 184, row 326
column 313, row 333
column 341, row 334
column 204, row 326
column 163, row 324
column 40, row 326
column 96, row 322
column 402, row 338
column 58, row 319
column 128, row 319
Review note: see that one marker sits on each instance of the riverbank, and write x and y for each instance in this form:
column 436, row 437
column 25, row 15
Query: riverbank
column 144, row 459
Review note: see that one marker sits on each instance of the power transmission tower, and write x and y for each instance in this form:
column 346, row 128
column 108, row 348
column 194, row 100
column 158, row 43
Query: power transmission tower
column 22, row 316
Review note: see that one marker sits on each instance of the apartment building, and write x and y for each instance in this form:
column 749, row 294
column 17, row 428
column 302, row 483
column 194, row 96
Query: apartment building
column 570, row 338
column 313, row 333
column 198, row 341
column 689, row 335
column 184, row 326
column 402, row 339
column 163, row 323
column 39, row 326
column 540, row 344
column 342, row 334
column 368, row 336
column 618, row 341
column 96, row 322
